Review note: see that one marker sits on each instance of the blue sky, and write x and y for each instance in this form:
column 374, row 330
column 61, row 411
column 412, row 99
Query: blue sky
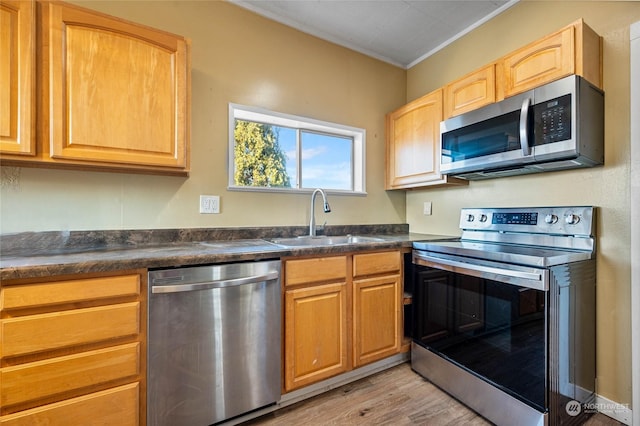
column 326, row 160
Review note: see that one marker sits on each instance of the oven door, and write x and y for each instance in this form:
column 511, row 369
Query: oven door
column 487, row 318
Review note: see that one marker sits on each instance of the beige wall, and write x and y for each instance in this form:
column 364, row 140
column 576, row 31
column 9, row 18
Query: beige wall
column 606, row 187
column 237, row 57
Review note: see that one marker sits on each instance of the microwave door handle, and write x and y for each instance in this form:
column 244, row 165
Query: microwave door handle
column 524, row 127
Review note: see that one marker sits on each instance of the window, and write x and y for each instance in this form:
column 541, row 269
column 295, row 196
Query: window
column 270, row 151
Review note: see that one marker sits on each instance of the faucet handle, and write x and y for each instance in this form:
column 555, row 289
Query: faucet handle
column 320, row 228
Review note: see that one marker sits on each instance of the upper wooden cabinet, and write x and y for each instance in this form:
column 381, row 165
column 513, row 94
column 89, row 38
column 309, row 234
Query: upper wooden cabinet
column 470, row 92
column 575, row 49
column 413, row 144
column 17, row 77
column 114, row 94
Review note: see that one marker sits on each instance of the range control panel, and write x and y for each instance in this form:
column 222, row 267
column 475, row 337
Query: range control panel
column 568, row 220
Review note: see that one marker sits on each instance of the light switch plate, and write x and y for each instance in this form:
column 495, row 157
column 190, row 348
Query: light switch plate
column 427, row 208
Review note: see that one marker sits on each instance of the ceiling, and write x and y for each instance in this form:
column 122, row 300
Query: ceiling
column 400, row 32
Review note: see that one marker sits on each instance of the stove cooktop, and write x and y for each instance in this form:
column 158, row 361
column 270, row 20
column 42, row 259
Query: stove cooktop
column 531, row 236
column 505, row 253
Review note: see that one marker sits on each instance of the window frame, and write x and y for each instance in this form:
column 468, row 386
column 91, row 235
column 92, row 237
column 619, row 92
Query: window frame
column 261, row 115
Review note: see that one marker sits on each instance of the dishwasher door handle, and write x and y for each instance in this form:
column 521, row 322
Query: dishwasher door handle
column 177, row 288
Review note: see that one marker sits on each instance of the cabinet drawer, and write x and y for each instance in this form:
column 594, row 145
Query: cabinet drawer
column 117, row 406
column 376, row 263
column 41, row 379
column 43, row 294
column 35, row 333
column 315, row 270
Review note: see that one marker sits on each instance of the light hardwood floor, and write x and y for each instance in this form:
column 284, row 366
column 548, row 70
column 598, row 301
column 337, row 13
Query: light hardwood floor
column 397, row 396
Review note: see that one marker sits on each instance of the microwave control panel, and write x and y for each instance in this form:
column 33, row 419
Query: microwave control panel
column 552, row 120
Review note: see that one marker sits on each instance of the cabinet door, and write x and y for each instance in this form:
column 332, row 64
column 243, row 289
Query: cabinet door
column 118, row 91
column 470, row 92
column 315, row 334
column 17, row 77
column 538, row 63
column 413, row 144
column 377, row 317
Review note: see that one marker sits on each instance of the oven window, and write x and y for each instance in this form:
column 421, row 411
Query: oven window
column 494, row 330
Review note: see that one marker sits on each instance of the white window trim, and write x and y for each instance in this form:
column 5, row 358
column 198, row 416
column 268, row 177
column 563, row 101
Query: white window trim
column 243, row 112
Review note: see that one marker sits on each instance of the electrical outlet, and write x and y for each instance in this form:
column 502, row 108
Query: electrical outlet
column 426, row 210
column 210, row 204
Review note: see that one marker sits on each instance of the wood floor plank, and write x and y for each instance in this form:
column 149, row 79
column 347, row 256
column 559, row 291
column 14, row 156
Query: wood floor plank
column 395, row 397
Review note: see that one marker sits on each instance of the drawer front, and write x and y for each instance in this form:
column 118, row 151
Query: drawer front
column 41, row 379
column 117, row 406
column 376, row 263
column 51, row 293
column 315, row 270
column 36, row 333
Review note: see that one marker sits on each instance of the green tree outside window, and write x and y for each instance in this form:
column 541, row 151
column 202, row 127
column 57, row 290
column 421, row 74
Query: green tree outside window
column 259, row 160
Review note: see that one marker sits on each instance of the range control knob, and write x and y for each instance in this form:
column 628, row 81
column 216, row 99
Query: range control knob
column 551, row 219
column 483, row 218
column 470, row 218
column 572, row 219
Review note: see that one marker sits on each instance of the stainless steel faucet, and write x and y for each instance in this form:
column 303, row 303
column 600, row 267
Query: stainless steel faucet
column 326, row 208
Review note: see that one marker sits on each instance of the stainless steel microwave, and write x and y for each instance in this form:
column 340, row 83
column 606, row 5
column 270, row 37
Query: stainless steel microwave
column 554, row 127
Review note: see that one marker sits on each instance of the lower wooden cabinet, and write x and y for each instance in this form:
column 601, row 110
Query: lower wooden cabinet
column 73, row 350
column 341, row 312
column 316, row 334
column 377, row 330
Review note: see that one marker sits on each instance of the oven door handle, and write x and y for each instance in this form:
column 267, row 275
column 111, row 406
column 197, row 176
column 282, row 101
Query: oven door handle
column 536, row 280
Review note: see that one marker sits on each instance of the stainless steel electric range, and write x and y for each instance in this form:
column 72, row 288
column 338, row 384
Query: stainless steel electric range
column 504, row 317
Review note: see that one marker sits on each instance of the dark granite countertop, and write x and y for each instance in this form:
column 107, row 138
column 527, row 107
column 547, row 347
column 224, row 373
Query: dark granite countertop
column 35, row 255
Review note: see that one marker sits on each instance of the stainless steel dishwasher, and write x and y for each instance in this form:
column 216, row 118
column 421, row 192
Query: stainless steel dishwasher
column 213, row 342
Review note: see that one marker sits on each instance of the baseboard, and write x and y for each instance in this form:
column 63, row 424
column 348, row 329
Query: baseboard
column 615, row 410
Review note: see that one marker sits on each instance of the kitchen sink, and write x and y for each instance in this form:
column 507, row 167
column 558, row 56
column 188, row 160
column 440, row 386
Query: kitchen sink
column 324, row 240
